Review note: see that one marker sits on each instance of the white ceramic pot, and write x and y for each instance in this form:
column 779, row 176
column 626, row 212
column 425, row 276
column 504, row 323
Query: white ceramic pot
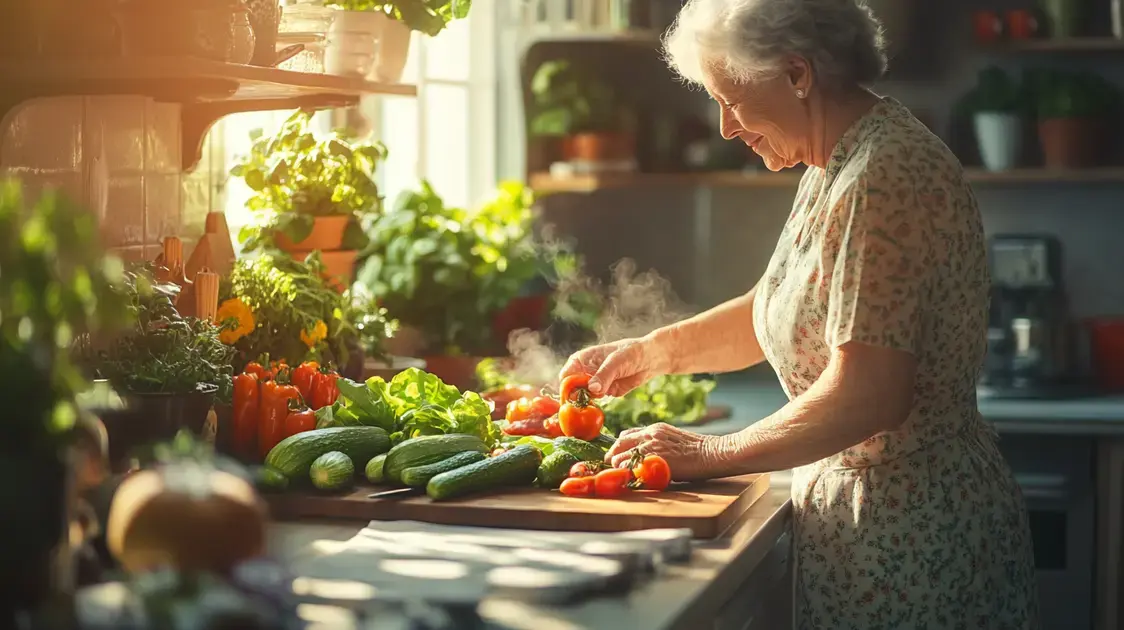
column 351, row 45
column 1000, row 138
column 393, row 50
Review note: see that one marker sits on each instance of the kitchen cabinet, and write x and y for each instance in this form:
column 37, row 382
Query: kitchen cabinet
column 206, row 90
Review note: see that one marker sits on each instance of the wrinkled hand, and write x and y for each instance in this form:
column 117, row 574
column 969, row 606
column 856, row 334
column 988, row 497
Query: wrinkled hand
column 690, row 456
column 618, row 367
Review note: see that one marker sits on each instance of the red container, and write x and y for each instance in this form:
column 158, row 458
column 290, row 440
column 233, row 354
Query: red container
column 1106, row 345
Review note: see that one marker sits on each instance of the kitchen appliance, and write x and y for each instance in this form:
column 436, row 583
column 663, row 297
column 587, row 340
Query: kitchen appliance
column 1030, row 349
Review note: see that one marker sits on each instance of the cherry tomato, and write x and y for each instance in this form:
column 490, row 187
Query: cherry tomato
column 583, row 423
column 577, row 487
column 652, row 473
column 612, row 482
column 585, row 469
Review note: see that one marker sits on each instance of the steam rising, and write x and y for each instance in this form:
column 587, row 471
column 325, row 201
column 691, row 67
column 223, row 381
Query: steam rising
column 633, row 305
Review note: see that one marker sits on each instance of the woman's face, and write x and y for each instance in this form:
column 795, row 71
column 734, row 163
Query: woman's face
column 767, row 115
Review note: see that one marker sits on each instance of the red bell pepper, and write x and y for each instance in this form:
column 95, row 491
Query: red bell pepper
column 299, row 420
column 325, row 389
column 304, row 375
column 275, row 397
column 245, row 413
column 256, row 369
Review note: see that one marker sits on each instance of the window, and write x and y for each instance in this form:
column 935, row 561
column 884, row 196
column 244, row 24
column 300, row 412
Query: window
column 445, row 135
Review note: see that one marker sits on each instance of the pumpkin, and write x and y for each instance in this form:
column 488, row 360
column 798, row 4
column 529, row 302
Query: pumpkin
column 185, row 517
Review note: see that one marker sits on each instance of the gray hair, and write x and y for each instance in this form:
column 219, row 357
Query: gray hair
column 748, row 40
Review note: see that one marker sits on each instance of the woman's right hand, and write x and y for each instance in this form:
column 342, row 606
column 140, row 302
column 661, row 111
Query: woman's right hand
column 618, row 367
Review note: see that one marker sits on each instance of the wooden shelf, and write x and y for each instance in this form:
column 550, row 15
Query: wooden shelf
column 208, row 90
column 1061, row 45
column 545, row 183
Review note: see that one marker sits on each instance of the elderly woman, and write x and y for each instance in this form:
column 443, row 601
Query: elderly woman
column 873, row 313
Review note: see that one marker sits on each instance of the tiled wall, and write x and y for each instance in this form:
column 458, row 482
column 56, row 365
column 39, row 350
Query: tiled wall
column 120, row 155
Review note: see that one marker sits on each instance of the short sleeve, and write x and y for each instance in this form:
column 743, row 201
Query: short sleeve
column 882, row 266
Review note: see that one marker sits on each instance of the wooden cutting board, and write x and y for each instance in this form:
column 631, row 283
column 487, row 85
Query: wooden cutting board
column 707, row 508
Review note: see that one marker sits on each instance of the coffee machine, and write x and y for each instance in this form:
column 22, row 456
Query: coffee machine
column 1030, row 349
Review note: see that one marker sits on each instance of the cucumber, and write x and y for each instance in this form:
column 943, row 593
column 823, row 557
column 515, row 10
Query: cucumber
column 374, row 468
column 428, row 449
column 294, row 455
column 267, row 479
column 604, row 442
column 555, row 468
column 419, row 476
column 332, row 471
column 513, row 468
column 583, row 450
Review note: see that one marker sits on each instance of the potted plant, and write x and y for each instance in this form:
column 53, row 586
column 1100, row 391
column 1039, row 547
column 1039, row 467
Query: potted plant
column 371, row 38
column 1073, row 113
column 310, row 193
column 444, row 273
column 997, row 119
column 55, row 285
column 575, row 114
column 167, row 367
column 285, row 309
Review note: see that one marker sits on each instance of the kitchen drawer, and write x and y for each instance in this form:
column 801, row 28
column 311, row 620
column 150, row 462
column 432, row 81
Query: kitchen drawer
column 764, row 601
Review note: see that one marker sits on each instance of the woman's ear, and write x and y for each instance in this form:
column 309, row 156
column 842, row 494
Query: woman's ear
column 800, row 78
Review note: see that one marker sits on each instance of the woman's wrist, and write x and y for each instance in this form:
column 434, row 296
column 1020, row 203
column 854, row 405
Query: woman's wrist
column 662, row 350
column 720, row 455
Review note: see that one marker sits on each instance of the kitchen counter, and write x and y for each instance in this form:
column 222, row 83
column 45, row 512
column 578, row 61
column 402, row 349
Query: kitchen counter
column 755, row 394
column 744, row 575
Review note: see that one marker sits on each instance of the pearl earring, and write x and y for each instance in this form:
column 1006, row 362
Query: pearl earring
column 799, row 93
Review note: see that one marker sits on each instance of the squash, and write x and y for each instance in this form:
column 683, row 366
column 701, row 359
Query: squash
column 187, row 518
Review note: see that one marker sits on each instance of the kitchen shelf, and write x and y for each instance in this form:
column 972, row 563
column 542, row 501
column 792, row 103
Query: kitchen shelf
column 208, row 90
column 1061, row 45
column 546, row 183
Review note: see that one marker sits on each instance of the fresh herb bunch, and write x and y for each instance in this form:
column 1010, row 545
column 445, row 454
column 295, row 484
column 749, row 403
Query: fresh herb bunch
column 297, row 176
column 163, row 352
column 429, row 17
column 56, row 285
column 446, row 271
column 996, row 91
column 289, row 297
column 1061, row 94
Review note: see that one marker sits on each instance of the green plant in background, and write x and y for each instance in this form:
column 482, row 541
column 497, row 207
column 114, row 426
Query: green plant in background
column 567, row 100
column 446, row 271
column 163, row 352
column 429, row 17
column 289, row 299
column 297, row 176
column 576, row 300
column 56, row 285
column 1061, row 94
column 996, row 91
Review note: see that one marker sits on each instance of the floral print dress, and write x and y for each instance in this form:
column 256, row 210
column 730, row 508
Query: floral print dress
column 923, row 527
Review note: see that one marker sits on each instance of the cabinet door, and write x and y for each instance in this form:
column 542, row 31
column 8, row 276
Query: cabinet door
column 764, row 600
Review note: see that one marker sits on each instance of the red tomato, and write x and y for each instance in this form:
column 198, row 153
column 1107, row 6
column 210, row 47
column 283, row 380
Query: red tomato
column 553, row 427
column 585, row 469
column 300, row 421
column 572, row 384
column 583, row 423
column 653, row 473
column 577, row 487
column 611, row 482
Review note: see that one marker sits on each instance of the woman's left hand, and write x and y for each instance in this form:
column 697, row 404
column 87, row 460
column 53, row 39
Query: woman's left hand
column 689, row 455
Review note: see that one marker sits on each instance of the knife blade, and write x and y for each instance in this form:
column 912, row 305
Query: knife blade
column 397, row 492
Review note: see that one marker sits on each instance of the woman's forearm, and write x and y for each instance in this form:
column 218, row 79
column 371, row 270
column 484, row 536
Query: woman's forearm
column 844, row 407
column 721, row 339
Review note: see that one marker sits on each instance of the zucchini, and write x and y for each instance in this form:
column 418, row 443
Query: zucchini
column 428, row 449
column 580, row 448
column 267, row 479
column 604, row 442
column 418, row 476
column 555, row 468
column 294, row 455
column 374, row 468
column 332, row 471
column 515, row 467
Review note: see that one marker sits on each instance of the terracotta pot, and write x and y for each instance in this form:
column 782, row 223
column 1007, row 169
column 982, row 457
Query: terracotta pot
column 528, row 312
column 1071, row 142
column 339, row 267
column 326, row 235
column 599, row 146
column 457, row 371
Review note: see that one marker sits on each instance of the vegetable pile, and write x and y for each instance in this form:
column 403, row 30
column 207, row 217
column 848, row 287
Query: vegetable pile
column 415, row 431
